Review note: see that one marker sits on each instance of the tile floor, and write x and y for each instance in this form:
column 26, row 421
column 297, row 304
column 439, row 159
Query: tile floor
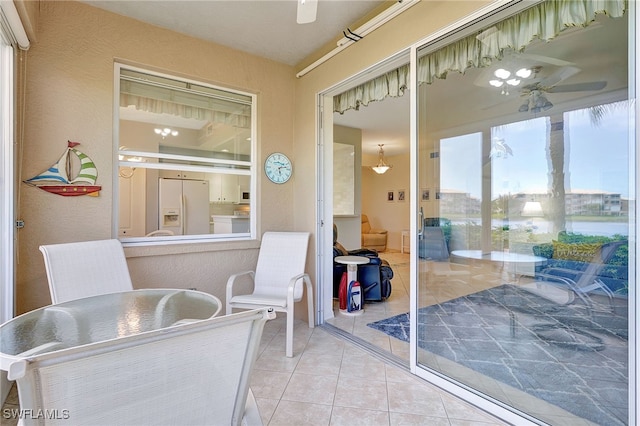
column 330, row 381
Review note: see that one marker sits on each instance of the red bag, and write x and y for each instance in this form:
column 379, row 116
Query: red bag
column 342, row 292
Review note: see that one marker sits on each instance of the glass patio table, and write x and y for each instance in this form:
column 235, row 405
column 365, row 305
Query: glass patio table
column 500, row 259
column 100, row 318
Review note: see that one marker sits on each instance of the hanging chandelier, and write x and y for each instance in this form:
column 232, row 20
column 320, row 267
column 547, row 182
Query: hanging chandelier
column 382, row 166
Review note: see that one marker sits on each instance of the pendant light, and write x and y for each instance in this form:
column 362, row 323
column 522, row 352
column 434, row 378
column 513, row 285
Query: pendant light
column 382, row 166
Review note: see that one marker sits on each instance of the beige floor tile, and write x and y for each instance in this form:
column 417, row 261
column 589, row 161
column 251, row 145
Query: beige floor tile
column 361, row 393
column 269, row 384
column 407, row 419
column 320, row 364
column 461, row 411
column 324, row 343
column 415, row 398
column 344, row 416
column 266, row 407
column 311, row 388
column 358, row 364
column 274, row 360
column 299, row 413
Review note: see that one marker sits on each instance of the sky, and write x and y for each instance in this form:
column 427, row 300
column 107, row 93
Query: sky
column 596, row 156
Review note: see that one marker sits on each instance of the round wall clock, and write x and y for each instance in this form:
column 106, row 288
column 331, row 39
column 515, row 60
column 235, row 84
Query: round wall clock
column 278, row 168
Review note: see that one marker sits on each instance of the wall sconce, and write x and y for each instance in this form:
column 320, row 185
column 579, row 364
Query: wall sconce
column 382, row 166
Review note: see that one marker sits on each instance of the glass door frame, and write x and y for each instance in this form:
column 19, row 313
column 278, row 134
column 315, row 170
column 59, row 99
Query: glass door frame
column 324, row 208
column 482, row 401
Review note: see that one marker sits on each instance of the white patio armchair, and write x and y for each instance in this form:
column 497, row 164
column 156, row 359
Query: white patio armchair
column 278, row 279
column 89, row 268
column 192, row 374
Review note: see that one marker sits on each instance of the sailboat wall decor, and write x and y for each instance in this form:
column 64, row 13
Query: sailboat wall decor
column 58, row 178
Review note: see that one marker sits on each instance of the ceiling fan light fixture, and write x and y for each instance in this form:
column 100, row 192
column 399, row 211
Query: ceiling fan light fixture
column 502, row 73
column 513, row 82
column 307, row 11
column 496, row 83
column 524, row 73
column 382, row 165
column 165, row 132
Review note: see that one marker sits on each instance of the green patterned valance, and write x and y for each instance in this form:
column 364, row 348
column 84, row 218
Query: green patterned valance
column 543, row 21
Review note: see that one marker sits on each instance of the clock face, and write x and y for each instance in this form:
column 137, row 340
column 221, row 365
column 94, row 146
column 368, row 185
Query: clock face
column 278, row 168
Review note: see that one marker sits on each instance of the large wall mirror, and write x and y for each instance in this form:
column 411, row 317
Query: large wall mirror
column 343, row 179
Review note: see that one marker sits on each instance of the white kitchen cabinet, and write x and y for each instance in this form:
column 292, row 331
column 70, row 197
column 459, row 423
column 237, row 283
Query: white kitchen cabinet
column 223, row 188
column 132, row 204
column 181, row 174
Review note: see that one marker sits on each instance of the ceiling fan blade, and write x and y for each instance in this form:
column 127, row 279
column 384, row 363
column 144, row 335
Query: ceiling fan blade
column 307, row 11
column 560, row 75
column 544, row 59
column 578, row 87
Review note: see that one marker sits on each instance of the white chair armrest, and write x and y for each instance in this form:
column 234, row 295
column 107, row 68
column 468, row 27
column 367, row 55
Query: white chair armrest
column 230, row 283
column 309, row 290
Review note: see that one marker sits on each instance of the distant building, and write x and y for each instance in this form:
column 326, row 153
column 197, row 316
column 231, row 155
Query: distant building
column 457, row 202
column 582, row 203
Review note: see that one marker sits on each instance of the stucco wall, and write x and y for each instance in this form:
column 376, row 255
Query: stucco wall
column 70, row 78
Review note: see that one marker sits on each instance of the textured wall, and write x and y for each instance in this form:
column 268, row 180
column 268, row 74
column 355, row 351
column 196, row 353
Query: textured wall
column 70, row 79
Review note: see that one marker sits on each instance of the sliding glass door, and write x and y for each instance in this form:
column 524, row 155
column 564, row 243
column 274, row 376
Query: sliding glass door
column 524, row 135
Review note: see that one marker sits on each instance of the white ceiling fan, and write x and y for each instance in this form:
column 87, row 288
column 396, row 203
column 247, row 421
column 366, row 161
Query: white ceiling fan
column 307, row 11
column 535, row 93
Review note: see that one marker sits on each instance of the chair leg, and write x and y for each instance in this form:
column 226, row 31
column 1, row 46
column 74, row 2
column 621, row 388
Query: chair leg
column 310, row 309
column 289, row 336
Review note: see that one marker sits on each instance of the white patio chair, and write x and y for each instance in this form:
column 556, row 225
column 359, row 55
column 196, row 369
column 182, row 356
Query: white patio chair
column 77, row 270
column 278, row 279
column 191, row 374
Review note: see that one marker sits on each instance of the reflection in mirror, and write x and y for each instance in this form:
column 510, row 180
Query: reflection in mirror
column 185, row 158
column 343, row 179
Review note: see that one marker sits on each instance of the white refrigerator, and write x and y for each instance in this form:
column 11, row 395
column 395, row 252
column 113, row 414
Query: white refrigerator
column 183, row 206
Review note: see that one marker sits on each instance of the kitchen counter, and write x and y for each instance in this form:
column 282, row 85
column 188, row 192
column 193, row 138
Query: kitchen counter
column 229, row 224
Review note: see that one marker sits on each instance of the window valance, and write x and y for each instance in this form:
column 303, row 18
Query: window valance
column 241, row 118
column 543, row 21
column 392, row 83
column 167, row 96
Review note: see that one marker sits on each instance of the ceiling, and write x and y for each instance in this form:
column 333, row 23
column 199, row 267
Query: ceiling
column 268, row 28
column 265, row 28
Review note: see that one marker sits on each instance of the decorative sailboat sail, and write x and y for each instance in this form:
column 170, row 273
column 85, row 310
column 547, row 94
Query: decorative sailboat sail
column 57, row 178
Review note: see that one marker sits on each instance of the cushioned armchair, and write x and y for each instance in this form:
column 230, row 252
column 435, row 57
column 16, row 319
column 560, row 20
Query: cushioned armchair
column 374, row 277
column 373, row 238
